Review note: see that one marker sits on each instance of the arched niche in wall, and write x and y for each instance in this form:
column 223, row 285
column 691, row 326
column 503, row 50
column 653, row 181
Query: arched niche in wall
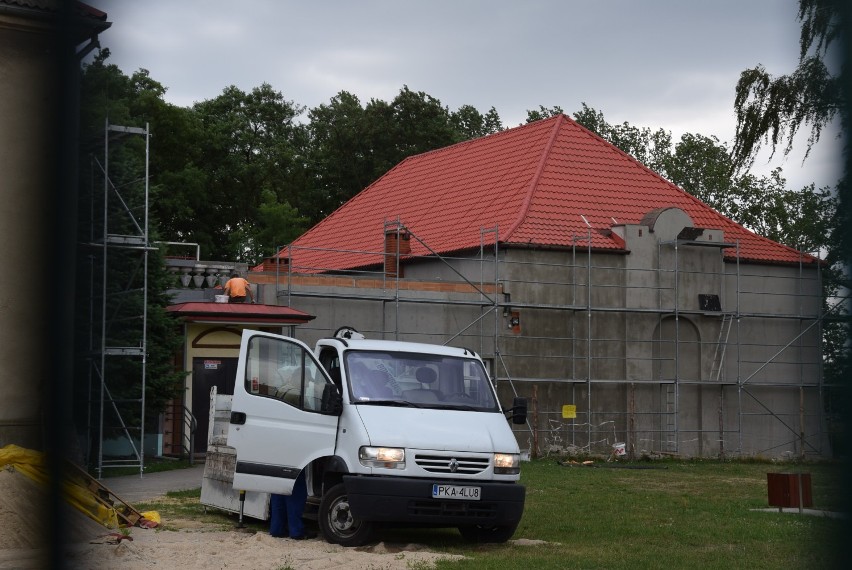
column 218, row 337
column 677, row 350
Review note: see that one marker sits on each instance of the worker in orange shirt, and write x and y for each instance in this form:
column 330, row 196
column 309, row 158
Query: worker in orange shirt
column 237, row 288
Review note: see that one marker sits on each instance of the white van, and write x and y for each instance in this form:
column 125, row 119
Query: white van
column 386, row 432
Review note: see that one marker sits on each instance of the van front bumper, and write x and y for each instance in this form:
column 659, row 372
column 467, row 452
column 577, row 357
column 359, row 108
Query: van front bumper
column 400, row 499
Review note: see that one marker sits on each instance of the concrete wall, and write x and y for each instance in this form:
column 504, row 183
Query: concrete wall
column 621, row 336
column 28, row 87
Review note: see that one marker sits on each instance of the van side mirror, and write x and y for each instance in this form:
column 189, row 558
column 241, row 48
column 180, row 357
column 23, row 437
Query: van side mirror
column 332, row 401
column 518, row 411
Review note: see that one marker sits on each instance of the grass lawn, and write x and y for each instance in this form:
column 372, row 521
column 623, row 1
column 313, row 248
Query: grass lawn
column 666, row 514
column 669, row 515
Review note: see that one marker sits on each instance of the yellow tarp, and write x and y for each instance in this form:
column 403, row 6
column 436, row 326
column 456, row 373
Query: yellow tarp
column 32, row 464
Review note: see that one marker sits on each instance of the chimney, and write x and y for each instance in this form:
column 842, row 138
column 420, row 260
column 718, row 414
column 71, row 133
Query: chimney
column 397, row 244
column 274, row 263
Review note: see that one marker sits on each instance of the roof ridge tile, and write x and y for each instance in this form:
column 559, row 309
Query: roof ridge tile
column 522, row 213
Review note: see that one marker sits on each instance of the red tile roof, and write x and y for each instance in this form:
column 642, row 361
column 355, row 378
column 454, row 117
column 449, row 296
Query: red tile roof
column 535, row 182
column 238, row 313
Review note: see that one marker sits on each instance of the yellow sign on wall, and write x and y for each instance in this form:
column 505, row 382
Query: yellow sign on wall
column 569, row 411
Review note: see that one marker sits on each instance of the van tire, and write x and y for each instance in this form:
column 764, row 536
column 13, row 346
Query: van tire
column 336, row 521
column 483, row 534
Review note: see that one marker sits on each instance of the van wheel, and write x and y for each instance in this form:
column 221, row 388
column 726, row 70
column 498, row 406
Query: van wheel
column 336, row 521
column 482, row 534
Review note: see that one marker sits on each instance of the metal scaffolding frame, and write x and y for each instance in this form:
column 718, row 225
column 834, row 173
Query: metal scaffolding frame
column 118, row 303
column 598, row 427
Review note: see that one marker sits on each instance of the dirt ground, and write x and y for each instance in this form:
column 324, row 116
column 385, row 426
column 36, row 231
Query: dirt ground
column 192, row 546
column 229, row 549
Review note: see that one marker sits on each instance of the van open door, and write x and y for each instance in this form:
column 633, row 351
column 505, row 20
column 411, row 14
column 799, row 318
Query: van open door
column 284, row 413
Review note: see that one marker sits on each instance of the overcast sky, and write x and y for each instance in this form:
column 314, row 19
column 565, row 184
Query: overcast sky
column 669, row 64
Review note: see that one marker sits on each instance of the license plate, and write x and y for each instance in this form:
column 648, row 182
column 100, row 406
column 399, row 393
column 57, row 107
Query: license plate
column 456, row 492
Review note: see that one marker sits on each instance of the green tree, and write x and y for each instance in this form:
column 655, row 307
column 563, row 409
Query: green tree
column 178, row 182
column 420, row 123
column 353, row 145
column 702, row 166
column 251, row 147
column 802, row 219
column 469, row 123
column 104, row 95
column 276, row 224
column 651, row 148
column 493, row 123
column 773, row 109
column 543, row 113
column 341, row 160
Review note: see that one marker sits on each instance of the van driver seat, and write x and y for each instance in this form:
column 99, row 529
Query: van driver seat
column 427, row 376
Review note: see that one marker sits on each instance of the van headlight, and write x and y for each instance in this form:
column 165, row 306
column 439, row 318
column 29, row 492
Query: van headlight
column 387, row 457
column 507, row 463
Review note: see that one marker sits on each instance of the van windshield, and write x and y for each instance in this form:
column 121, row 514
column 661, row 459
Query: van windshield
column 423, row 380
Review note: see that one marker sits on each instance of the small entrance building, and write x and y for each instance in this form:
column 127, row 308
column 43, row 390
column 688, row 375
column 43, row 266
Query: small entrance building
column 212, row 333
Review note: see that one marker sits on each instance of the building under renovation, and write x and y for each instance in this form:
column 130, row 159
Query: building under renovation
column 629, row 312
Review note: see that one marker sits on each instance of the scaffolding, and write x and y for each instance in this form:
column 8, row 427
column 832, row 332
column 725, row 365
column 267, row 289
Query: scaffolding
column 656, row 392
column 116, row 259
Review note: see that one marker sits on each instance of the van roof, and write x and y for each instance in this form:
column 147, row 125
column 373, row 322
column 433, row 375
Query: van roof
column 400, row 346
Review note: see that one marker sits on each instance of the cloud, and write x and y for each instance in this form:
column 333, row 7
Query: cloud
column 657, row 63
column 361, row 71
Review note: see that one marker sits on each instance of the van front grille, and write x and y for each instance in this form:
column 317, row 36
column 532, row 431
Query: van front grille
column 451, row 464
